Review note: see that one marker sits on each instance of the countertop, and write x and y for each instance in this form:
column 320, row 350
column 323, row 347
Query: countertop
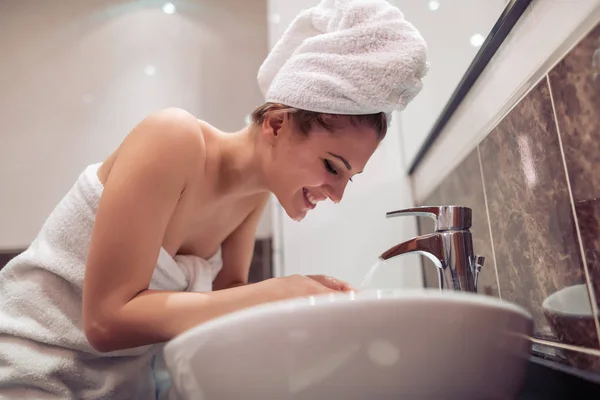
column 547, row 380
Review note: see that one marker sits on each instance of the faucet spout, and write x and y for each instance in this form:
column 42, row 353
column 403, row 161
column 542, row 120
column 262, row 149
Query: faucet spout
column 430, row 246
column 450, row 248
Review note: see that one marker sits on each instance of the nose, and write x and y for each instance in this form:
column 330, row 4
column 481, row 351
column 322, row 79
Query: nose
column 335, row 191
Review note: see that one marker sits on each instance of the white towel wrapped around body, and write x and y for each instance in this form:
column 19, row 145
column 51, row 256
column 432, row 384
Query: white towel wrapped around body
column 346, row 57
column 44, row 353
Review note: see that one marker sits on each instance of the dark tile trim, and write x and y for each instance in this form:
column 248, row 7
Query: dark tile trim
column 7, row 255
column 261, row 267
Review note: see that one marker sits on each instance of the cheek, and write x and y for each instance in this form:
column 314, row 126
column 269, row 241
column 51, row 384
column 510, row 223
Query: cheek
column 298, row 166
column 304, row 172
column 310, row 174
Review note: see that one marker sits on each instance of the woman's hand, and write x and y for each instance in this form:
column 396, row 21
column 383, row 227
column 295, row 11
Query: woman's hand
column 302, row 286
column 332, row 283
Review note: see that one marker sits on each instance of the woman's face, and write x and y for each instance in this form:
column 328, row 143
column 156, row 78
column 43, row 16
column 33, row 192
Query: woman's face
column 304, row 170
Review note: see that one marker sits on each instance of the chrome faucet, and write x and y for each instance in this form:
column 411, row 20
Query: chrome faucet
column 450, row 247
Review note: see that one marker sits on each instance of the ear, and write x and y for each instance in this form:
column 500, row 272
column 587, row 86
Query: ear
column 272, row 126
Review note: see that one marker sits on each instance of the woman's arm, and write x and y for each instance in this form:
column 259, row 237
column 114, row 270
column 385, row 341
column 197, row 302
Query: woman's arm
column 237, row 250
column 149, row 176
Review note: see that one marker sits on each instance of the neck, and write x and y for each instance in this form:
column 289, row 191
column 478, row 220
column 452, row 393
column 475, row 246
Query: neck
column 241, row 171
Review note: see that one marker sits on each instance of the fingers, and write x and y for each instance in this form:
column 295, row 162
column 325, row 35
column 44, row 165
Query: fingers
column 332, row 283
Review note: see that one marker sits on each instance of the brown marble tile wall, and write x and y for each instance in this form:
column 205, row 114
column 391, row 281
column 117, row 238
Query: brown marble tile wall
column 541, row 188
column 575, row 84
column 534, row 232
column 465, row 189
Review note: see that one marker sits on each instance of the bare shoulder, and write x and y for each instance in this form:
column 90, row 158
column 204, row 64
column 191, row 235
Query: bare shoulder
column 171, row 138
column 172, row 126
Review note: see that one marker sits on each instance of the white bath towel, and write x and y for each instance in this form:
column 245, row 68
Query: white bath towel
column 346, row 57
column 44, row 353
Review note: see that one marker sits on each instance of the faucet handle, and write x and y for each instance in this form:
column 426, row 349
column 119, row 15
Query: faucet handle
column 446, row 217
column 478, row 262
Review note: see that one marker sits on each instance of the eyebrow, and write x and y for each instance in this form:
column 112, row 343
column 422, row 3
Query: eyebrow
column 342, row 159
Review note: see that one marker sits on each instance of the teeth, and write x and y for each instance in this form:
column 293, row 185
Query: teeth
column 310, row 198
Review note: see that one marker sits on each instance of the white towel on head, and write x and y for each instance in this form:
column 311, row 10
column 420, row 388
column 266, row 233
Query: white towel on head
column 346, row 57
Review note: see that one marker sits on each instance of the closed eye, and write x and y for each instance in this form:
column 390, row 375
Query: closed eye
column 330, row 168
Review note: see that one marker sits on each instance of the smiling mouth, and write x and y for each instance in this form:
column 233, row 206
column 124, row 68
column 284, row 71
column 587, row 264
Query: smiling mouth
column 309, row 200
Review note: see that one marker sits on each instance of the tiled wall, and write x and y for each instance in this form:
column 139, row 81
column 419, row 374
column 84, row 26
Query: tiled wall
column 540, row 38
column 534, row 186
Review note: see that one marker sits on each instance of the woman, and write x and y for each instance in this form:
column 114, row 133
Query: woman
column 129, row 257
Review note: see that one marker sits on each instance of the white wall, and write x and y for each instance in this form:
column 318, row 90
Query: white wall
column 344, row 240
column 76, row 76
column 541, row 37
column 447, row 31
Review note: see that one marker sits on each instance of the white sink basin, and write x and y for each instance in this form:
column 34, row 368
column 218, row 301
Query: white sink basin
column 405, row 344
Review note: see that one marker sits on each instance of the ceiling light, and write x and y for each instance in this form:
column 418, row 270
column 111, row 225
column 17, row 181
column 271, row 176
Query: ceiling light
column 150, row 70
column 433, row 5
column 274, row 18
column 477, row 40
column 169, row 8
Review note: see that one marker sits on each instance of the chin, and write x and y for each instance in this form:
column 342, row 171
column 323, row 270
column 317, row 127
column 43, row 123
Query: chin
column 294, row 213
column 293, row 210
